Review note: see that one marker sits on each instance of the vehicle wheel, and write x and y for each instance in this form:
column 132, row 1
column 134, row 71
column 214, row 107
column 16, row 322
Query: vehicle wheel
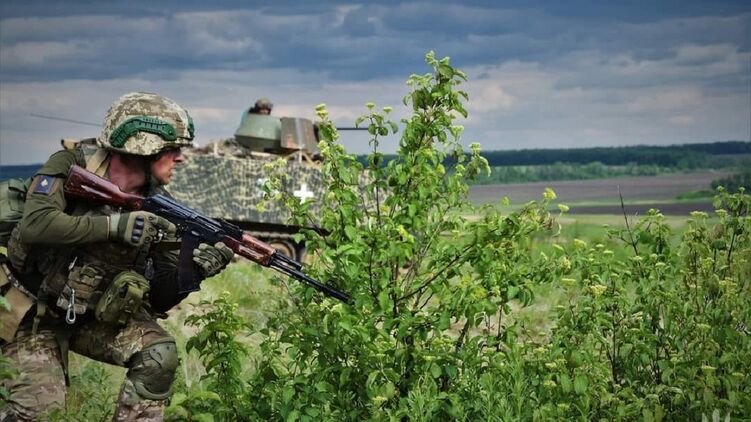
column 302, row 255
column 284, row 247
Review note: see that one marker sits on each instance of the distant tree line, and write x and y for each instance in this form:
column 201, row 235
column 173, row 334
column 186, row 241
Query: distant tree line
column 683, row 157
column 686, row 156
column 565, row 171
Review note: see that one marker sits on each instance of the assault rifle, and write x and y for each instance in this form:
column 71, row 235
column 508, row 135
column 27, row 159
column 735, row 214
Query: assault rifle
column 193, row 227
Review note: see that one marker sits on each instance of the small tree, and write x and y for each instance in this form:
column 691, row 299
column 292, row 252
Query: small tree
column 431, row 286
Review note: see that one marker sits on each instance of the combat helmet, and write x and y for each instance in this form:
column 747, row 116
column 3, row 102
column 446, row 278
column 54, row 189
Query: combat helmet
column 262, row 104
column 142, row 123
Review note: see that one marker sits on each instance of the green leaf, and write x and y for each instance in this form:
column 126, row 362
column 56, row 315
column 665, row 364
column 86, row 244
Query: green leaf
column 345, row 324
column 625, row 350
column 177, row 399
column 647, row 416
column 580, row 384
column 293, row 416
column 389, row 390
column 203, row 417
column 565, row 381
column 446, row 71
column 659, row 413
column 444, row 322
column 577, row 358
column 207, row 396
column 435, row 370
column 287, row 394
column 384, row 301
column 351, row 232
column 666, row 374
column 322, row 386
column 512, row 292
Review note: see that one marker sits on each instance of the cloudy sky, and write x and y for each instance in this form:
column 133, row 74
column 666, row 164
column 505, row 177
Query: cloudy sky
column 542, row 73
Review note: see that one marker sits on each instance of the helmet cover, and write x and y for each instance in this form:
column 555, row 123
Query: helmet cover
column 142, row 123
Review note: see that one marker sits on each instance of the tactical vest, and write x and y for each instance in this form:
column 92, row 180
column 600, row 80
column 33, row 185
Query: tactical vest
column 74, row 278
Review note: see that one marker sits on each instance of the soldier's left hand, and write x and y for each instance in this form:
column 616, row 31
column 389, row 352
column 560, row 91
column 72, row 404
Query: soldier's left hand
column 212, row 259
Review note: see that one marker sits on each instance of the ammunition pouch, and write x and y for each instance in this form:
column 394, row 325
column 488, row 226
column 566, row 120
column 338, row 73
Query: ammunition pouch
column 79, row 293
column 18, row 252
column 122, row 298
column 17, row 302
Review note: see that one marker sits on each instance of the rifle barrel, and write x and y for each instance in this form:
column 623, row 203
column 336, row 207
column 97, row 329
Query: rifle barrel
column 299, row 275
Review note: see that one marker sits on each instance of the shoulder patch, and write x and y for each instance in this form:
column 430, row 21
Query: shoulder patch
column 45, row 185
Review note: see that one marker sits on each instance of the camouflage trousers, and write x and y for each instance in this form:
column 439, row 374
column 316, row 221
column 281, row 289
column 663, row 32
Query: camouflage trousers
column 40, row 386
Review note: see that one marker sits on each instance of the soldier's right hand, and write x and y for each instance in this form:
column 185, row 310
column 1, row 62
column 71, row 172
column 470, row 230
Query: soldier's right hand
column 139, row 228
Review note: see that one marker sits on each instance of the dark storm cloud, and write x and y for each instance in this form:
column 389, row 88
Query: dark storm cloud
column 96, row 40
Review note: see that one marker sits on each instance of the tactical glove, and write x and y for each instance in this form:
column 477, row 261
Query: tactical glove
column 212, row 259
column 139, row 228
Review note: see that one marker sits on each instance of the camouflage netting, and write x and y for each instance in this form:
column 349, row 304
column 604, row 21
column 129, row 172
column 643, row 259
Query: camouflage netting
column 228, row 187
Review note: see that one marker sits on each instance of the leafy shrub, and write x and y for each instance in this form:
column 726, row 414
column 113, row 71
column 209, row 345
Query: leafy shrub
column 431, row 288
column 431, row 333
column 223, row 389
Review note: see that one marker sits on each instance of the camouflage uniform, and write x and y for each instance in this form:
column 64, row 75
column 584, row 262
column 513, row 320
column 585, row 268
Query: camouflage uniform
column 70, row 245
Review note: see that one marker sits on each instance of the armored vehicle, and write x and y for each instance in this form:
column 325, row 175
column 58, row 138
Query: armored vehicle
column 224, row 178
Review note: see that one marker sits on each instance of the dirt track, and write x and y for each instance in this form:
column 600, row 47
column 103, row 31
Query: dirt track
column 648, row 191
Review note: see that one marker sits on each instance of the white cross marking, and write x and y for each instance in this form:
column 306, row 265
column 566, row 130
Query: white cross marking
column 303, row 193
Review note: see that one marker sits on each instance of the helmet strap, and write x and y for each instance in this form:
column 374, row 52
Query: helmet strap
column 150, row 179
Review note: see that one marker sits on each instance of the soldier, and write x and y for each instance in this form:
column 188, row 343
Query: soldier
column 97, row 283
column 262, row 106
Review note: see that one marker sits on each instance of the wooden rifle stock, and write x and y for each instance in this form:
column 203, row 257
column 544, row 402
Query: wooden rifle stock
column 86, row 186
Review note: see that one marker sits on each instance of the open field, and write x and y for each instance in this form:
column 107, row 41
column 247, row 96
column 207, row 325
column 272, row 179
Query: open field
column 601, row 196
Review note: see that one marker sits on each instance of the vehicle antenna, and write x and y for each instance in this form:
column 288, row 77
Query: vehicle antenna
column 62, row 119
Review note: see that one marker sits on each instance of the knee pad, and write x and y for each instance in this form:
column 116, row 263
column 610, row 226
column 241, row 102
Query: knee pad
column 153, row 369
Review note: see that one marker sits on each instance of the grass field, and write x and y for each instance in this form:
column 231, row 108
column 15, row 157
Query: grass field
column 604, row 192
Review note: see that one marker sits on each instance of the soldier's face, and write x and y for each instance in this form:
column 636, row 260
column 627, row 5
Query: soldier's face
column 164, row 165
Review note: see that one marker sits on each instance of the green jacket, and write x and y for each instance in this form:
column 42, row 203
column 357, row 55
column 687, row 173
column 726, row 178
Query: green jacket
column 52, row 227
